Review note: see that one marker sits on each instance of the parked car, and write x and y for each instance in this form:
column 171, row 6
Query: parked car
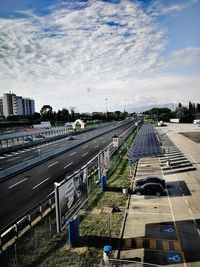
column 150, row 179
column 149, row 189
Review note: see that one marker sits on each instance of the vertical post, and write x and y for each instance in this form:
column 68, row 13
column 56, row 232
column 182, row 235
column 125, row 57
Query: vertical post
column 103, row 183
column 73, row 231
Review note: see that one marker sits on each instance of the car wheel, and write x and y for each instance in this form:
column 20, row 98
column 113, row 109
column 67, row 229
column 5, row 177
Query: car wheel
column 158, row 194
column 138, row 193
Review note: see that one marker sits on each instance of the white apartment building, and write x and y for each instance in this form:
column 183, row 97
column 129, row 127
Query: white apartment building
column 17, row 105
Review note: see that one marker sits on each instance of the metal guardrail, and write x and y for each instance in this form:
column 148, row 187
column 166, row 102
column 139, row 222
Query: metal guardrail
column 16, row 228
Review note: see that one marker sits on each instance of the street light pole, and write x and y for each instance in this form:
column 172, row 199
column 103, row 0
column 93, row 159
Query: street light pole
column 106, row 107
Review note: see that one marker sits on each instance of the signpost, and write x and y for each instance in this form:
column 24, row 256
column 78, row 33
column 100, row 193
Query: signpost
column 70, row 195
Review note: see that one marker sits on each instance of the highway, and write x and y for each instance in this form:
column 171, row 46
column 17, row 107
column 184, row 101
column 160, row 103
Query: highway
column 20, row 193
column 10, row 159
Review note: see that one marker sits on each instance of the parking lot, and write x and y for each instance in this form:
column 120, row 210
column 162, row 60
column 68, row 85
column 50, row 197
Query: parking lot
column 165, row 230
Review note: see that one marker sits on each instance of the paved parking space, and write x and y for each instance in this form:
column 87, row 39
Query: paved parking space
column 165, row 230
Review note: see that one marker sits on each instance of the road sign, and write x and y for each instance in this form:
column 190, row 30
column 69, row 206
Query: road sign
column 173, row 257
column 168, row 229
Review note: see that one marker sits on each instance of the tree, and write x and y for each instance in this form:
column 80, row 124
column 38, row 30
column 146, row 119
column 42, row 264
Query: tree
column 46, row 112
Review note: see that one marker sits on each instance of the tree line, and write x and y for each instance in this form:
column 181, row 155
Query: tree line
column 183, row 113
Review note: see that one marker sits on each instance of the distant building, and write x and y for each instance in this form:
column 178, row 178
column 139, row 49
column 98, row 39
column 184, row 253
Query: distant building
column 14, row 105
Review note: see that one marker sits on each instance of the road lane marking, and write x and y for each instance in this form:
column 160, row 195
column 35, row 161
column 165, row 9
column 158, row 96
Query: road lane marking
column 68, row 165
column 103, row 142
column 28, row 158
column 52, row 164
column 198, row 231
column 17, row 183
column 96, row 146
column 12, row 158
column 73, row 153
column 84, row 154
column 41, row 183
column 85, row 146
column 94, row 141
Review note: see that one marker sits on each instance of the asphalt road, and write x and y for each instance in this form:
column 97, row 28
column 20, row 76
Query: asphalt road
column 24, row 190
column 10, row 159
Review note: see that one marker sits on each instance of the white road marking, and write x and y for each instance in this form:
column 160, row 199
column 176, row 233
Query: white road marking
column 12, row 159
column 28, row 158
column 2, row 157
column 68, row 165
column 198, row 231
column 52, row 164
column 72, row 153
column 17, row 183
column 41, row 183
column 96, row 146
column 84, row 154
column 94, row 141
column 190, row 211
column 186, row 202
column 103, row 142
column 153, row 204
column 85, row 146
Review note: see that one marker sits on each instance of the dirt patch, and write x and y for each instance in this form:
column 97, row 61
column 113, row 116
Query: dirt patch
column 194, row 136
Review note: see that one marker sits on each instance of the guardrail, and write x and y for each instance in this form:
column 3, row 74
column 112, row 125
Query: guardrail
column 20, row 225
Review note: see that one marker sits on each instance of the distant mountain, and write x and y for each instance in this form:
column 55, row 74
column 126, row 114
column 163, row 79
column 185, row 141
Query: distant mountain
column 171, row 106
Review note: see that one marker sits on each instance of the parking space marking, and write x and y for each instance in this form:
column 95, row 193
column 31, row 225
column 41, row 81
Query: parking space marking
column 186, row 202
column 153, row 204
column 190, row 211
column 149, row 213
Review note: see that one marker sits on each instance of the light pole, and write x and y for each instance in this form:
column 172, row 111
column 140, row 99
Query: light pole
column 106, row 107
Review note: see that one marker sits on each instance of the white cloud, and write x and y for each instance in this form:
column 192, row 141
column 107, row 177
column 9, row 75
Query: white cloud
column 111, row 49
column 160, row 7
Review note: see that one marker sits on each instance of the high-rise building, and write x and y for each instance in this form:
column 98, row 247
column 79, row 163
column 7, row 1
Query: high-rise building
column 17, row 105
column 1, row 106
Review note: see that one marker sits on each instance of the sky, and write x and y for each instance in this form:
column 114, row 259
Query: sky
column 100, row 54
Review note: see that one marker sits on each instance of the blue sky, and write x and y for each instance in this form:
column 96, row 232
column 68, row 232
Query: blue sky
column 79, row 53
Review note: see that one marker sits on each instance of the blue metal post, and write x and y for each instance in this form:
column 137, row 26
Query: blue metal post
column 103, row 183
column 73, row 231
